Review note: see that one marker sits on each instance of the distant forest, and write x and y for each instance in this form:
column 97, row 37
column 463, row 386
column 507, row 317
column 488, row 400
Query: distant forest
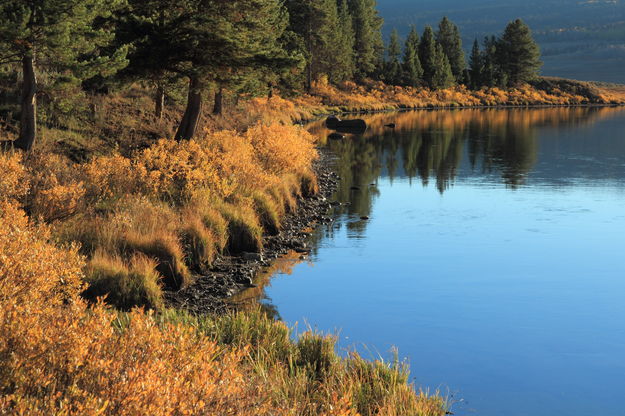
column 579, row 39
column 56, row 49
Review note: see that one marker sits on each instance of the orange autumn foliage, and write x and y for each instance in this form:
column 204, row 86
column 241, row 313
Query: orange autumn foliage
column 60, row 356
column 164, row 202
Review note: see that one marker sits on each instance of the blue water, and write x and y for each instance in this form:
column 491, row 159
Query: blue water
column 493, row 258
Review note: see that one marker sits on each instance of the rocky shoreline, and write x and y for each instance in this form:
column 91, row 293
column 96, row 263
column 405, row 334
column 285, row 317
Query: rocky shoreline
column 231, row 275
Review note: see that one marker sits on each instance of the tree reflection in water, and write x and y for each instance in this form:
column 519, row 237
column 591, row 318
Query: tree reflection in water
column 430, row 146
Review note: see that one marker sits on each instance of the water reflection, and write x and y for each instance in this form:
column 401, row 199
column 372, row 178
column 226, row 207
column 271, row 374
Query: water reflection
column 430, row 147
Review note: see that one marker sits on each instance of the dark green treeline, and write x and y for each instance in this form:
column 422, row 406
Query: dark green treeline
column 52, row 51
column 437, row 60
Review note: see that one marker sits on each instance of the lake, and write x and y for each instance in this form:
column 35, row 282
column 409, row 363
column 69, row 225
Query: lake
column 493, row 257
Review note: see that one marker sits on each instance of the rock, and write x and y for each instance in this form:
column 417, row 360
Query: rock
column 252, row 256
column 332, row 122
column 351, row 126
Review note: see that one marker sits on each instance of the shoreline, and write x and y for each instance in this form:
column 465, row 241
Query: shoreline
column 231, row 275
column 451, row 108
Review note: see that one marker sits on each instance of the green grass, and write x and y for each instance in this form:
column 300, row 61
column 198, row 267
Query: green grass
column 307, row 370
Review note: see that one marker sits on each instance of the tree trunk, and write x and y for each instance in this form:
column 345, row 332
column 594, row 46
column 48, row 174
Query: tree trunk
column 309, row 70
column 191, row 117
column 28, row 120
column 159, row 101
column 219, row 101
column 270, row 93
column 309, row 77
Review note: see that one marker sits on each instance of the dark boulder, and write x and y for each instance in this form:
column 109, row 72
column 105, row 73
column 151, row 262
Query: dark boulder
column 332, row 122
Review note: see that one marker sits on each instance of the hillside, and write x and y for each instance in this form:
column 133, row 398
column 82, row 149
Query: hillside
column 579, row 39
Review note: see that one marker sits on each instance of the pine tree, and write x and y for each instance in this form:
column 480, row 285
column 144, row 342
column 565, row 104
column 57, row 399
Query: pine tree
column 427, row 52
column 442, row 76
column 345, row 64
column 316, row 23
column 329, row 47
column 59, row 36
column 412, row 70
column 369, row 46
column 448, row 36
column 476, row 66
column 147, row 27
column 213, row 42
column 491, row 73
column 519, row 55
column 393, row 73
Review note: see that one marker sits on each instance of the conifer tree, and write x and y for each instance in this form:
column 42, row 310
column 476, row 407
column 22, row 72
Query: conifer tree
column 448, row 36
column 412, row 69
column 476, row 66
column 491, row 72
column 442, row 76
column 519, row 55
column 345, row 62
column 147, row 27
column 427, row 52
column 393, row 73
column 212, row 41
column 316, row 22
column 369, row 46
column 329, row 48
column 60, row 36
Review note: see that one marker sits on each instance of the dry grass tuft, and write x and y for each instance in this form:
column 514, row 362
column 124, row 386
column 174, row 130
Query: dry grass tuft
column 244, row 229
column 199, row 242
column 125, row 285
column 269, row 212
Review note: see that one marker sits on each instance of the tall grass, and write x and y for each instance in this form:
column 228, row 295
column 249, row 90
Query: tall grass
column 305, row 371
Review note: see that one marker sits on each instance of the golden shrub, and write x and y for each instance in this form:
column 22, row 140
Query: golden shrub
column 174, row 169
column 56, row 189
column 31, row 269
column 13, row 179
column 282, row 149
column 113, row 176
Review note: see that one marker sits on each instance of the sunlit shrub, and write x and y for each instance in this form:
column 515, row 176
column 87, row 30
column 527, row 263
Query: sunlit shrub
column 109, row 177
column 13, row 177
column 282, row 149
column 56, row 189
column 31, row 269
column 173, row 170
